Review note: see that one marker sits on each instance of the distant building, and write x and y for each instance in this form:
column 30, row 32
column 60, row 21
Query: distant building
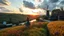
column 4, row 22
column 57, row 14
column 47, row 14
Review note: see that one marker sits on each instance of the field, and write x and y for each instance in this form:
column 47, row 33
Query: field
column 33, row 30
column 54, row 28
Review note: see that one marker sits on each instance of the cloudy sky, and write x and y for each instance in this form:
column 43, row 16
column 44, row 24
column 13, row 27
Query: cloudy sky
column 32, row 4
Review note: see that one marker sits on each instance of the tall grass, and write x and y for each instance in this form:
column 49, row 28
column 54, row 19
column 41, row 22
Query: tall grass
column 34, row 30
column 56, row 28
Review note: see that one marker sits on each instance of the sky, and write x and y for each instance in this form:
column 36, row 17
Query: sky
column 42, row 3
column 31, row 4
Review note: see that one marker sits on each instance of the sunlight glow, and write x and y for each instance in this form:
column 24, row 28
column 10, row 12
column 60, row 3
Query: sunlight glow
column 28, row 11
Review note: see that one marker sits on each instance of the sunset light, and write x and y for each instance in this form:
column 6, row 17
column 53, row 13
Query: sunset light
column 31, row 17
column 29, row 11
column 34, row 11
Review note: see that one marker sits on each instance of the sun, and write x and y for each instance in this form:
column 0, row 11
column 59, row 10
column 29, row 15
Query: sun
column 35, row 10
column 33, row 16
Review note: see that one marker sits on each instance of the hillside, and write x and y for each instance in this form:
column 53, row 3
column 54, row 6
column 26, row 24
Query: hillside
column 12, row 17
column 34, row 30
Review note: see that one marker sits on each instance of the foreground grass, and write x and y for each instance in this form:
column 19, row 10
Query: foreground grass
column 33, row 30
column 56, row 28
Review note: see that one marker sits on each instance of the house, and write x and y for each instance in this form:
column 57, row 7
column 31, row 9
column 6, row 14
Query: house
column 57, row 14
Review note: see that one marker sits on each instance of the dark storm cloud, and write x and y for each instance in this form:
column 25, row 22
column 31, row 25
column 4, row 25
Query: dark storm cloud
column 62, row 2
column 51, row 4
column 53, row 1
column 43, row 5
column 28, row 4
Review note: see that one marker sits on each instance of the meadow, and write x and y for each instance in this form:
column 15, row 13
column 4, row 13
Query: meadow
column 34, row 30
column 54, row 28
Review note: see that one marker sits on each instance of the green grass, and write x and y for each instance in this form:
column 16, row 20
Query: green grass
column 23, row 31
column 14, row 17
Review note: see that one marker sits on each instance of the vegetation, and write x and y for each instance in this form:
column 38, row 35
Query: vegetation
column 56, row 28
column 44, row 17
column 23, row 31
column 12, row 17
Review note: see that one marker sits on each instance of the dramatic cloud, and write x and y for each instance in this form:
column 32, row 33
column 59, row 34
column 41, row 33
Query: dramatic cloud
column 43, row 5
column 1, row 1
column 3, row 9
column 20, row 10
column 4, row 2
column 62, row 2
column 53, row 1
column 28, row 4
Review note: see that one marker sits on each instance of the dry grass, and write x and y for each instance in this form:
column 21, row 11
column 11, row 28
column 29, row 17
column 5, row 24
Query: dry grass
column 56, row 28
column 39, row 24
column 36, row 30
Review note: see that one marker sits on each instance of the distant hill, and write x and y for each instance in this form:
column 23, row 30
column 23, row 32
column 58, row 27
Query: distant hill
column 12, row 17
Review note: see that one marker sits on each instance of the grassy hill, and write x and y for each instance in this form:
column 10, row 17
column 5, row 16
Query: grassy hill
column 54, row 28
column 36, row 29
column 15, row 18
column 12, row 17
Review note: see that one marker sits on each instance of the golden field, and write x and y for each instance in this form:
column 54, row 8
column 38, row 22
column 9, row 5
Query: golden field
column 56, row 28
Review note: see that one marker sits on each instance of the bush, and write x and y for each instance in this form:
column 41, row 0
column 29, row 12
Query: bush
column 56, row 28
